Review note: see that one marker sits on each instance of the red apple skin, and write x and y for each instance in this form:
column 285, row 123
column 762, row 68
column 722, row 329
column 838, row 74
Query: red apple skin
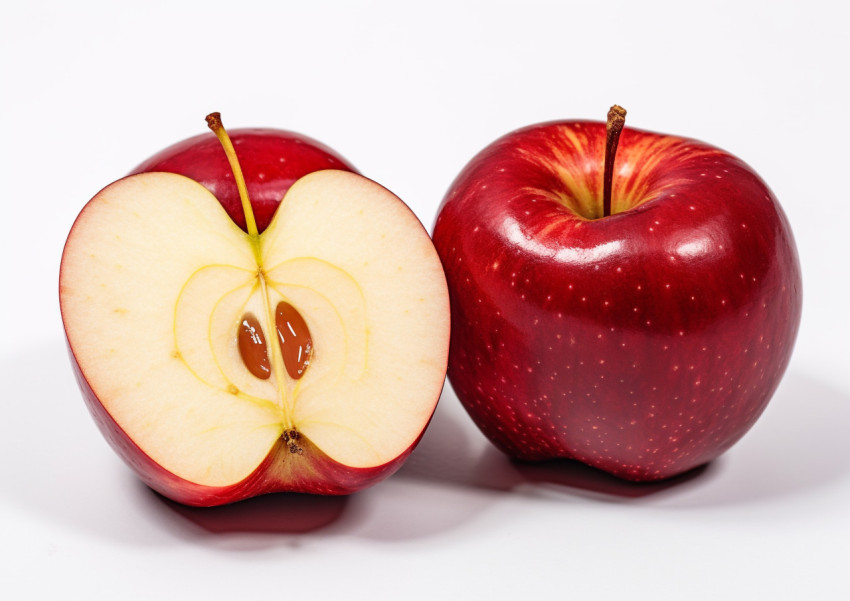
column 645, row 343
column 271, row 161
column 310, row 472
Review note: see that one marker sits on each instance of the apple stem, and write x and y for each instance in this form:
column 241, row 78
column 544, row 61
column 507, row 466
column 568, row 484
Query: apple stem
column 616, row 120
column 277, row 365
column 215, row 124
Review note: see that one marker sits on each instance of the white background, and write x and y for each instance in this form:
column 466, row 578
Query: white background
column 409, row 93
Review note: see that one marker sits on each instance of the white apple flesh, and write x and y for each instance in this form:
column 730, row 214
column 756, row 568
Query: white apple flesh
column 156, row 281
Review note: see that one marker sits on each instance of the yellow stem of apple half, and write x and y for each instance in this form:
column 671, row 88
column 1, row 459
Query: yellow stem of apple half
column 215, row 124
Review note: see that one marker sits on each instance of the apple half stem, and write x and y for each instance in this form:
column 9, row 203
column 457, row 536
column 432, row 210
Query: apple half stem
column 613, row 127
column 215, row 124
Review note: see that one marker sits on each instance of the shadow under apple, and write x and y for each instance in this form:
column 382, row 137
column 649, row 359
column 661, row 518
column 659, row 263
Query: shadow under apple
column 454, row 452
column 798, row 444
column 579, row 479
column 279, row 513
column 66, row 474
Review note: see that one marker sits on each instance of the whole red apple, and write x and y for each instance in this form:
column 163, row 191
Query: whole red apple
column 303, row 351
column 271, row 160
column 644, row 340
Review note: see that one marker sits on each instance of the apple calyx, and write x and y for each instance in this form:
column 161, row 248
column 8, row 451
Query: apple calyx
column 295, row 345
column 613, row 128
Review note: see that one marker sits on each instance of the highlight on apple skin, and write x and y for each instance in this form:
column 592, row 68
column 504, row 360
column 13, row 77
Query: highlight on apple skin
column 223, row 362
column 644, row 342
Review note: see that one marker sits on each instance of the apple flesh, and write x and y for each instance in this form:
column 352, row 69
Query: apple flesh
column 222, row 364
column 271, row 160
column 644, row 343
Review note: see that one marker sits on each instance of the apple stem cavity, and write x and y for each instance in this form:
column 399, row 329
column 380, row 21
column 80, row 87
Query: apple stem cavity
column 215, row 124
column 613, row 128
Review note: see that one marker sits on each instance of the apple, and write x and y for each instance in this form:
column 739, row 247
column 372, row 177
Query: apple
column 223, row 363
column 635, row 313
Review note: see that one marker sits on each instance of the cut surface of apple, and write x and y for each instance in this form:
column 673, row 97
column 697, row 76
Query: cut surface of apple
column 214, row 350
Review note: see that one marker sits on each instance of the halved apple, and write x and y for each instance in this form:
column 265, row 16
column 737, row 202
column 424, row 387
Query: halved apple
column 223, row 364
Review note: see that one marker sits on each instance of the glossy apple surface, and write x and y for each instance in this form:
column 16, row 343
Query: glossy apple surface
column 271, row 160
column 644, row 343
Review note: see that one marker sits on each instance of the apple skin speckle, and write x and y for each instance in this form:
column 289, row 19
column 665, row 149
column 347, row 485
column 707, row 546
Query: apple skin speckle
column 629, row 342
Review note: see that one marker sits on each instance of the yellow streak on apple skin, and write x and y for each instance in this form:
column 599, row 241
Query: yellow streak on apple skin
column 637, row 164
column 583, row 180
